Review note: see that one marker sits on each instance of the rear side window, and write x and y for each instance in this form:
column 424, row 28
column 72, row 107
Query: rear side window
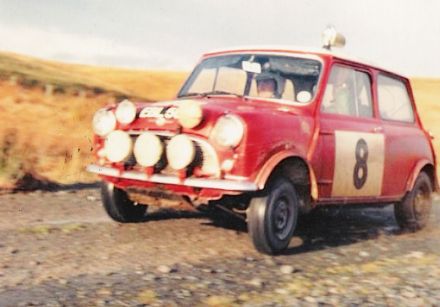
column 348, row 92
column 394, row 101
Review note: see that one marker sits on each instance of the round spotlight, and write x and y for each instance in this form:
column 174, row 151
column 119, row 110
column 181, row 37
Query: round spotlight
column 180, row 152
column 118, row 146
column 189, row 114
column 148, row 149
column 104, row 122
column 228, row 131
column 125, row 112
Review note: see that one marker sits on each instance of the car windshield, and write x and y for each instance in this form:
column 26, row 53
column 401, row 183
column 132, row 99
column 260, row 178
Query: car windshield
column 255, row 75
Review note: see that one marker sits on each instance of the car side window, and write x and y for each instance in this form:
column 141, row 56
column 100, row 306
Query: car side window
column 348, row 92
column 394, row 101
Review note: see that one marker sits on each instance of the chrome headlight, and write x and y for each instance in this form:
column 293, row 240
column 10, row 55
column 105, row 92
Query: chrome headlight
column 228, row 131
column 189, row 114
column 104, row 122
column 125, row 112
column 180, row 152
column 148, row 149
column 118, row 146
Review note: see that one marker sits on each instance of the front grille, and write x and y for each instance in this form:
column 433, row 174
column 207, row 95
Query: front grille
column 130, row 161
column 206, row 157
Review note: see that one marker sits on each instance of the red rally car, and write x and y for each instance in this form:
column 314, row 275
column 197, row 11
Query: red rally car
column 269, row 134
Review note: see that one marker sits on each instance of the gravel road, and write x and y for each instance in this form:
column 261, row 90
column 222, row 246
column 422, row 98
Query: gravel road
column 60, row 249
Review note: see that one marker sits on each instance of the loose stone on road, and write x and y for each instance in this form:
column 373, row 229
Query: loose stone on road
column 59, row 248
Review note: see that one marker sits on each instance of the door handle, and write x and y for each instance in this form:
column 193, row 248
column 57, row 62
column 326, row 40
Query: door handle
column 378, row 129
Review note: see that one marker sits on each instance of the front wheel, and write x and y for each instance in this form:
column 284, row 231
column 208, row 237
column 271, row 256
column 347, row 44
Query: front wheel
column 272, row 218
column 412, row 213
column 118, row 206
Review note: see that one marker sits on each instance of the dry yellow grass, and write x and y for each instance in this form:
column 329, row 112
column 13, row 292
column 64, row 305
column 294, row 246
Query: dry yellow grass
column 148, row 85
column 427, row 94
column 50, row 135
column 152, row 85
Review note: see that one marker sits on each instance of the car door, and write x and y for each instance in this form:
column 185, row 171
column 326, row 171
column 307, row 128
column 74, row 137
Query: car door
column 349, row 160
column 406, row 143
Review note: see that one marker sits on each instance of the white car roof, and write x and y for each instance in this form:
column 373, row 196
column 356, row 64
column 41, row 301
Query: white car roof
column 313, row 51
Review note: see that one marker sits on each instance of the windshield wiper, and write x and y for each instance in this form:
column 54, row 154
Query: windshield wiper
column 192, row 94
column 213, row 93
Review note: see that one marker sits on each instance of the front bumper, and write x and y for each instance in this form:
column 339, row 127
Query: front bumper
column 219, row 184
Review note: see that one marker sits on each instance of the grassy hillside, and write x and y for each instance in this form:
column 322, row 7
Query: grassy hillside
column 150, row 85
column 32, row 72
column 46, row 110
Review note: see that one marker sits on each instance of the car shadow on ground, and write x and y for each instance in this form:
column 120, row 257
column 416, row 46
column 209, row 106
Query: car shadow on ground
column 171, row 214
column 31, row 183
column 335, row 227
column 332, row 227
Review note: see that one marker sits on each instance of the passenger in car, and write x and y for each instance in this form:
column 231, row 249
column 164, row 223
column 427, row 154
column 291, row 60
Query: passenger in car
column 342, row 95
column 341, row 99
column 339, row 95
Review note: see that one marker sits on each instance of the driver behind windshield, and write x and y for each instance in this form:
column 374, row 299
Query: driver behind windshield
column 266, row 86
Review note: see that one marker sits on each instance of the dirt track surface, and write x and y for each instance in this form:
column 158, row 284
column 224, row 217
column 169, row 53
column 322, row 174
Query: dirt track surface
column 60, row 249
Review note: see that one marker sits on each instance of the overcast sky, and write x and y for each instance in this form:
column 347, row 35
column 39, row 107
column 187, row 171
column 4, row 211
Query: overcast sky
column 403, row 35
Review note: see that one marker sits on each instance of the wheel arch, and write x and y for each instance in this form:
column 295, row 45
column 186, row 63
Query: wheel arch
column 423, row 166
column 297, row 170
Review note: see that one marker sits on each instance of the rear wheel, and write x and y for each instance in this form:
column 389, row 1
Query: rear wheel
column 272, row 219
column 118, row 206
column 412, row 213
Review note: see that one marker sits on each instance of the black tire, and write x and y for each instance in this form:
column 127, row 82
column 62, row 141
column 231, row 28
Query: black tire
column 413, row 212
column 119, row 207
column 272, row 219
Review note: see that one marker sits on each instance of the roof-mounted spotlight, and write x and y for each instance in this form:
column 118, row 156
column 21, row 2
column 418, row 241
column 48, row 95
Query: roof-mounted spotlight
column 332, row 38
